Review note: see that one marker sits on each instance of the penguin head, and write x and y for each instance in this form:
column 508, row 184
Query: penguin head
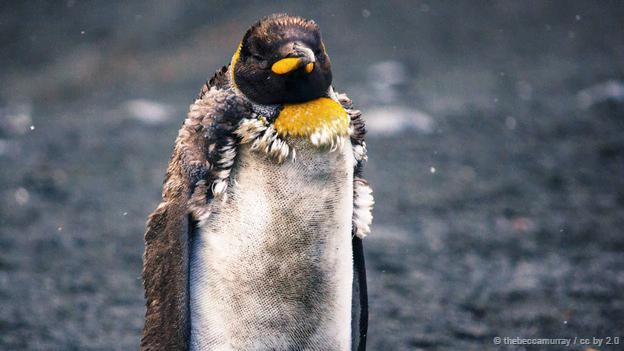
column 282, row 59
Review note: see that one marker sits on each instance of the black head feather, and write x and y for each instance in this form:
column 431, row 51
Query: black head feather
column 270, row 40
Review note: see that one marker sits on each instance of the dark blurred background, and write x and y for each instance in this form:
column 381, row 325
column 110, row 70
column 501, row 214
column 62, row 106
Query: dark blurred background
column 496, row 152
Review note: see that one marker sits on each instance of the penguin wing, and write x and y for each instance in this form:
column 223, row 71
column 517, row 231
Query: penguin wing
column 196, row 165
column 362, row 218
column 362, row 206
column 359, row 300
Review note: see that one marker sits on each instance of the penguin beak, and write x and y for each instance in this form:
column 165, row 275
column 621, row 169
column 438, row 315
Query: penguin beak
column 296, row 55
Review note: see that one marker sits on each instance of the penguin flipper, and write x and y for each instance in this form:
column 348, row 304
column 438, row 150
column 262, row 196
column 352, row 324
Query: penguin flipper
column 359, row 301
column 199, row 161
column 362, row 206
column 165, row 278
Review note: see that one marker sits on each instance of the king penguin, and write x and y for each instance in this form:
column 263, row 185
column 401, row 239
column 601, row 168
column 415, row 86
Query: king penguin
column 257, row 243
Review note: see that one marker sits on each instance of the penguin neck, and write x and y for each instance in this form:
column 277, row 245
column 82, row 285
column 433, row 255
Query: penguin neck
column 318, row 116
column 322, row 120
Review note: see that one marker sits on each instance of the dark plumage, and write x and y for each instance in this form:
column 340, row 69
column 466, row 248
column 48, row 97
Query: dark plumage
column 270, row 40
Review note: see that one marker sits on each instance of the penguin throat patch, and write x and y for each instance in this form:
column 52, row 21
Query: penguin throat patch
column 321, row 120
column 233, row 63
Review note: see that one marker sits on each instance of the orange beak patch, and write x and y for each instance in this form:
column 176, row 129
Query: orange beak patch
column 289, row 64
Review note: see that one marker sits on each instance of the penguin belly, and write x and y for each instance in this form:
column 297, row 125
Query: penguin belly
column 272, row 267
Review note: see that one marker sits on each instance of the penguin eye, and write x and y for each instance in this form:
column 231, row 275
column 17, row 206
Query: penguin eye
column 320, row 55
column 256, row 57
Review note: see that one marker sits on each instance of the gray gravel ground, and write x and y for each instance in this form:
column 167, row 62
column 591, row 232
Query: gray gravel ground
column 496, row 152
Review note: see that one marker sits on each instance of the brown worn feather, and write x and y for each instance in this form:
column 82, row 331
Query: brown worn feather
column 191, row 169
column 358, row 130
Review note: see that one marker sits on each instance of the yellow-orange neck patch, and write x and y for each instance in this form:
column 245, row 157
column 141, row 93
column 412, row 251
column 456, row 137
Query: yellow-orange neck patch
column 322, row 116
column 233, row 63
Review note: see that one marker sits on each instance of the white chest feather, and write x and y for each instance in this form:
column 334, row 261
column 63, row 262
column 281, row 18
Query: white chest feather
column 271, row 269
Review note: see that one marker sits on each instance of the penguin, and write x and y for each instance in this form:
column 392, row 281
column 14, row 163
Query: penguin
column 257, row 243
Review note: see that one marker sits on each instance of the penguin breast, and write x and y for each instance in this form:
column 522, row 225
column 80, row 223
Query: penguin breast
column 272, row 266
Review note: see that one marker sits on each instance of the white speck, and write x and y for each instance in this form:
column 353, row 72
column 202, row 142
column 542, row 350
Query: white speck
column 59, row 229
column 510, row 122
column 147, row 111
column 432, row 170
column 366, row 13
column 125, row 213
column 21, row 196
column 565, row 322
column 495, row 100
column 82, row 32
column 578, row 17
column 32, row 127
